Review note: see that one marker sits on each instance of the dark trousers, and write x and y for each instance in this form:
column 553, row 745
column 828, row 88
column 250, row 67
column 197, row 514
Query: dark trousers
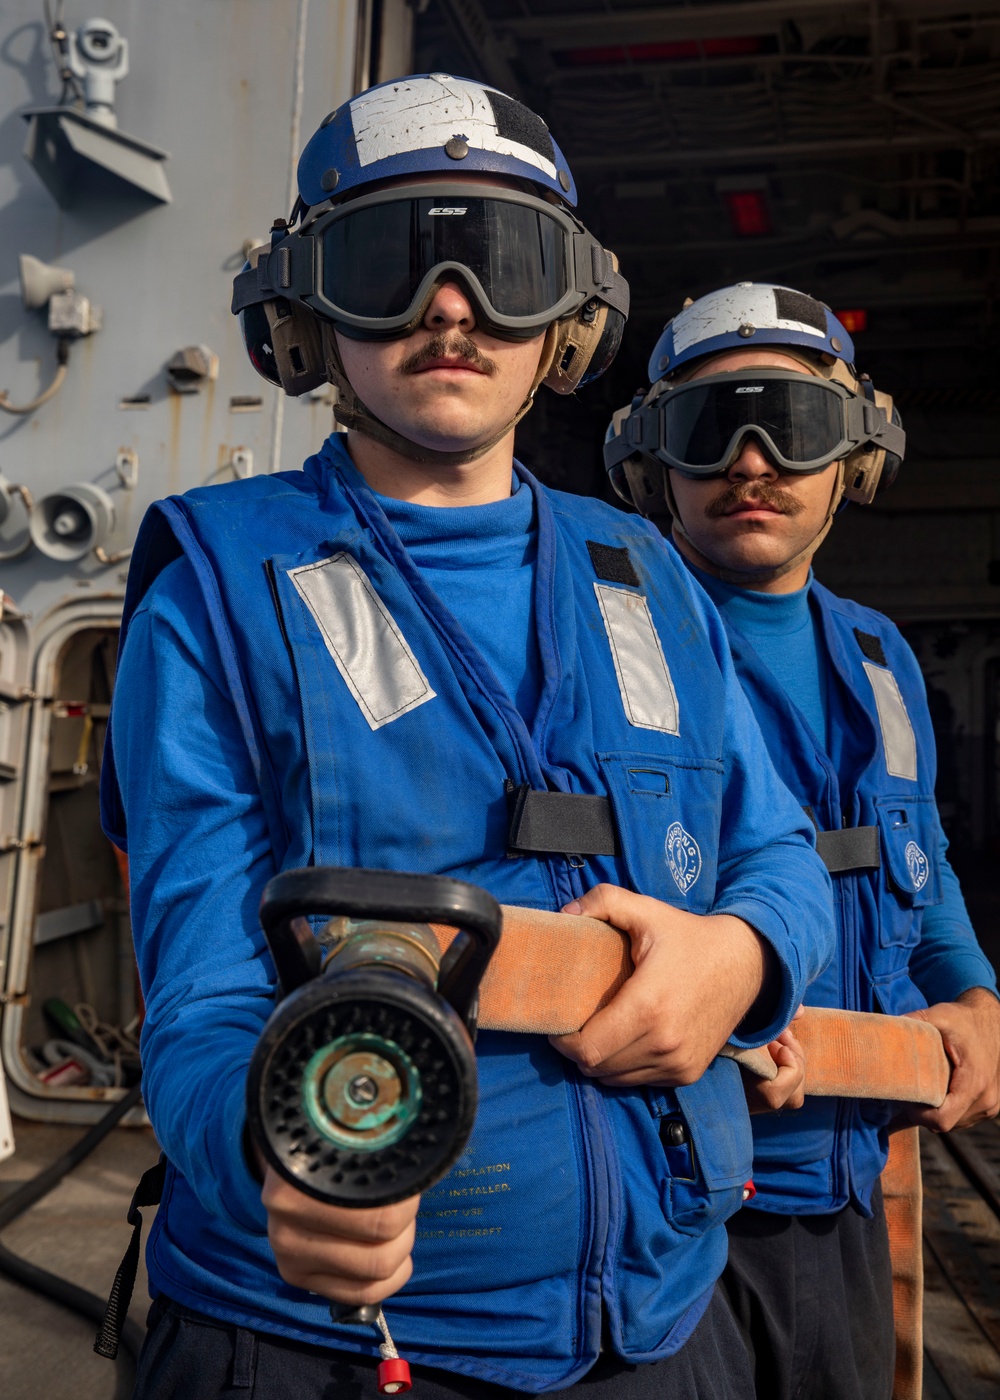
column 812, row 1296
column 188, row 1356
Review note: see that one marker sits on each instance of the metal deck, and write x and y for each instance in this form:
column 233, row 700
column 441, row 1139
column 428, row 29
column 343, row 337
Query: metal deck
column 962, row 1264
column 80, row 1232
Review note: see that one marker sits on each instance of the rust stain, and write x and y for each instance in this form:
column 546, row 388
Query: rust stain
column 174, row 408
column 208, row 414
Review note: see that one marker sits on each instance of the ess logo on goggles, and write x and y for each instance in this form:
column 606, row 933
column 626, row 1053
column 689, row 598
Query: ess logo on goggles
column 804, row 423
column 371, row 265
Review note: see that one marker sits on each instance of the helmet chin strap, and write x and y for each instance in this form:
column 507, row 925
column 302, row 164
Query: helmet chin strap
column 353, row 414
column 746, row 578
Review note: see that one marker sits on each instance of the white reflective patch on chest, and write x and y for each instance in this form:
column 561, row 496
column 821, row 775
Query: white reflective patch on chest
column 370, row 652
column 647, row 690
column 897, row 732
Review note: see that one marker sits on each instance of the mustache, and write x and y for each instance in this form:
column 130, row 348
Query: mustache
column 457, row 346
column 763, row 492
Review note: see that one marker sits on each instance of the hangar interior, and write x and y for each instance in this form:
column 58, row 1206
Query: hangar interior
column 846, row 147
column 850, row 150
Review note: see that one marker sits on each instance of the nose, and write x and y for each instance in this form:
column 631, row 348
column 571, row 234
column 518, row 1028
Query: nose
column 752, row 463
column 449, row 309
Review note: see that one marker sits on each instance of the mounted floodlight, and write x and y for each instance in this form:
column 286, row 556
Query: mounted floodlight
column 80, row 160
column 40, row 281
column 80, row 155
column 70, row 523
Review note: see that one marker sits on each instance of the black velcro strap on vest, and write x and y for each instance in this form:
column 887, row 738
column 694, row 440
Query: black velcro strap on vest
column 149, row 1192
column 612, row 564
column 851, row 848
column 871, row 646
column 560, row 823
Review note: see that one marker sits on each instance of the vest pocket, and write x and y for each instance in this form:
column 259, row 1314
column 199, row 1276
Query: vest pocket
column 895, row 994
column 910, row 878
column 708, row 1147
column 667, row 812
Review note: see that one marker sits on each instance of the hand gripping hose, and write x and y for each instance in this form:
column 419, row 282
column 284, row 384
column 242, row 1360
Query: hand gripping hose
column 551, row 972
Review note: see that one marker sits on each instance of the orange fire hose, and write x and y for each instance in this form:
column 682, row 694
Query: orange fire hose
column 551, row 972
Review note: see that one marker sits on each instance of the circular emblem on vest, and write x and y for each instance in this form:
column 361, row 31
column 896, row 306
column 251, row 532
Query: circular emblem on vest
column 917, row 864
column 683, row 857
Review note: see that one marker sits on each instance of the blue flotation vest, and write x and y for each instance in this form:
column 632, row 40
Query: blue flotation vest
column 380, row 738
column 880, row 828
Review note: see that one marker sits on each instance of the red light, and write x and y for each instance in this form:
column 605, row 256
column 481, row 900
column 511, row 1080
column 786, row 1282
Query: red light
column 853, row 321
column 748, row 212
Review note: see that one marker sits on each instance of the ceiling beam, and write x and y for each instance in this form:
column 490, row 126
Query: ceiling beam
column 474, row 32
column 669, row 22
column 907, row 238
column 763, row 152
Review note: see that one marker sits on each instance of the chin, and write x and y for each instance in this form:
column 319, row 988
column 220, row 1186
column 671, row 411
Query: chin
column 753, row 557
column 447, row 432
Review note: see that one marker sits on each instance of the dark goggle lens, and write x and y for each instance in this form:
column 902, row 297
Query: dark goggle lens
column 375, row 258
column 803, row 419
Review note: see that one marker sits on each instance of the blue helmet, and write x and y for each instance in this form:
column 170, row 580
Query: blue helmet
column 430, row 122
column 747, row 315
column 524, row 259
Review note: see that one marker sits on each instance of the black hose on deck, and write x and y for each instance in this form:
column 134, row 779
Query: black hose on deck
column 60, row 1290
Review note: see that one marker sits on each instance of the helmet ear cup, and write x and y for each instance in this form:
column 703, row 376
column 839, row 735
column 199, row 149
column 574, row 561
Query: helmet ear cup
column 871, row 469
column 284, row 342
column 892, row 464
column 862, row 471
column 257, row 342
column 586, row 344
column 646, row 480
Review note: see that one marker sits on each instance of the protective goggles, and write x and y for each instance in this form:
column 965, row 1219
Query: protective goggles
column 371, row 265
column 804, row 423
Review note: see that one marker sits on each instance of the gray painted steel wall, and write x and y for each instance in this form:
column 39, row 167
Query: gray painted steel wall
column 232, row 89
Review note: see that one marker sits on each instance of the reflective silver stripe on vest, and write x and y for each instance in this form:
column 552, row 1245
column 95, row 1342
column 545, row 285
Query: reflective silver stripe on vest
column 897, row 731
column 371, row 652
column 647, row 691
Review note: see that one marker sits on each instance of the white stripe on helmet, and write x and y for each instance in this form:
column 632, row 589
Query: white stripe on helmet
column 419, row 113
column 722, row 313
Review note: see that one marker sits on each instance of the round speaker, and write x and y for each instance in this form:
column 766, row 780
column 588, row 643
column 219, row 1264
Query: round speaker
column 70, row 523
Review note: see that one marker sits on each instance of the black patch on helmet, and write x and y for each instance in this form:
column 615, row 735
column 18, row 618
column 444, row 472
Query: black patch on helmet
column 515, row 122
column 796, row 306
column 871, row 646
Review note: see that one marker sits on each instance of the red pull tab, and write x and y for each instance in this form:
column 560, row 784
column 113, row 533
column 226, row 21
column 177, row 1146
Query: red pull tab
column 749, row 1190
column 394, row 1377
